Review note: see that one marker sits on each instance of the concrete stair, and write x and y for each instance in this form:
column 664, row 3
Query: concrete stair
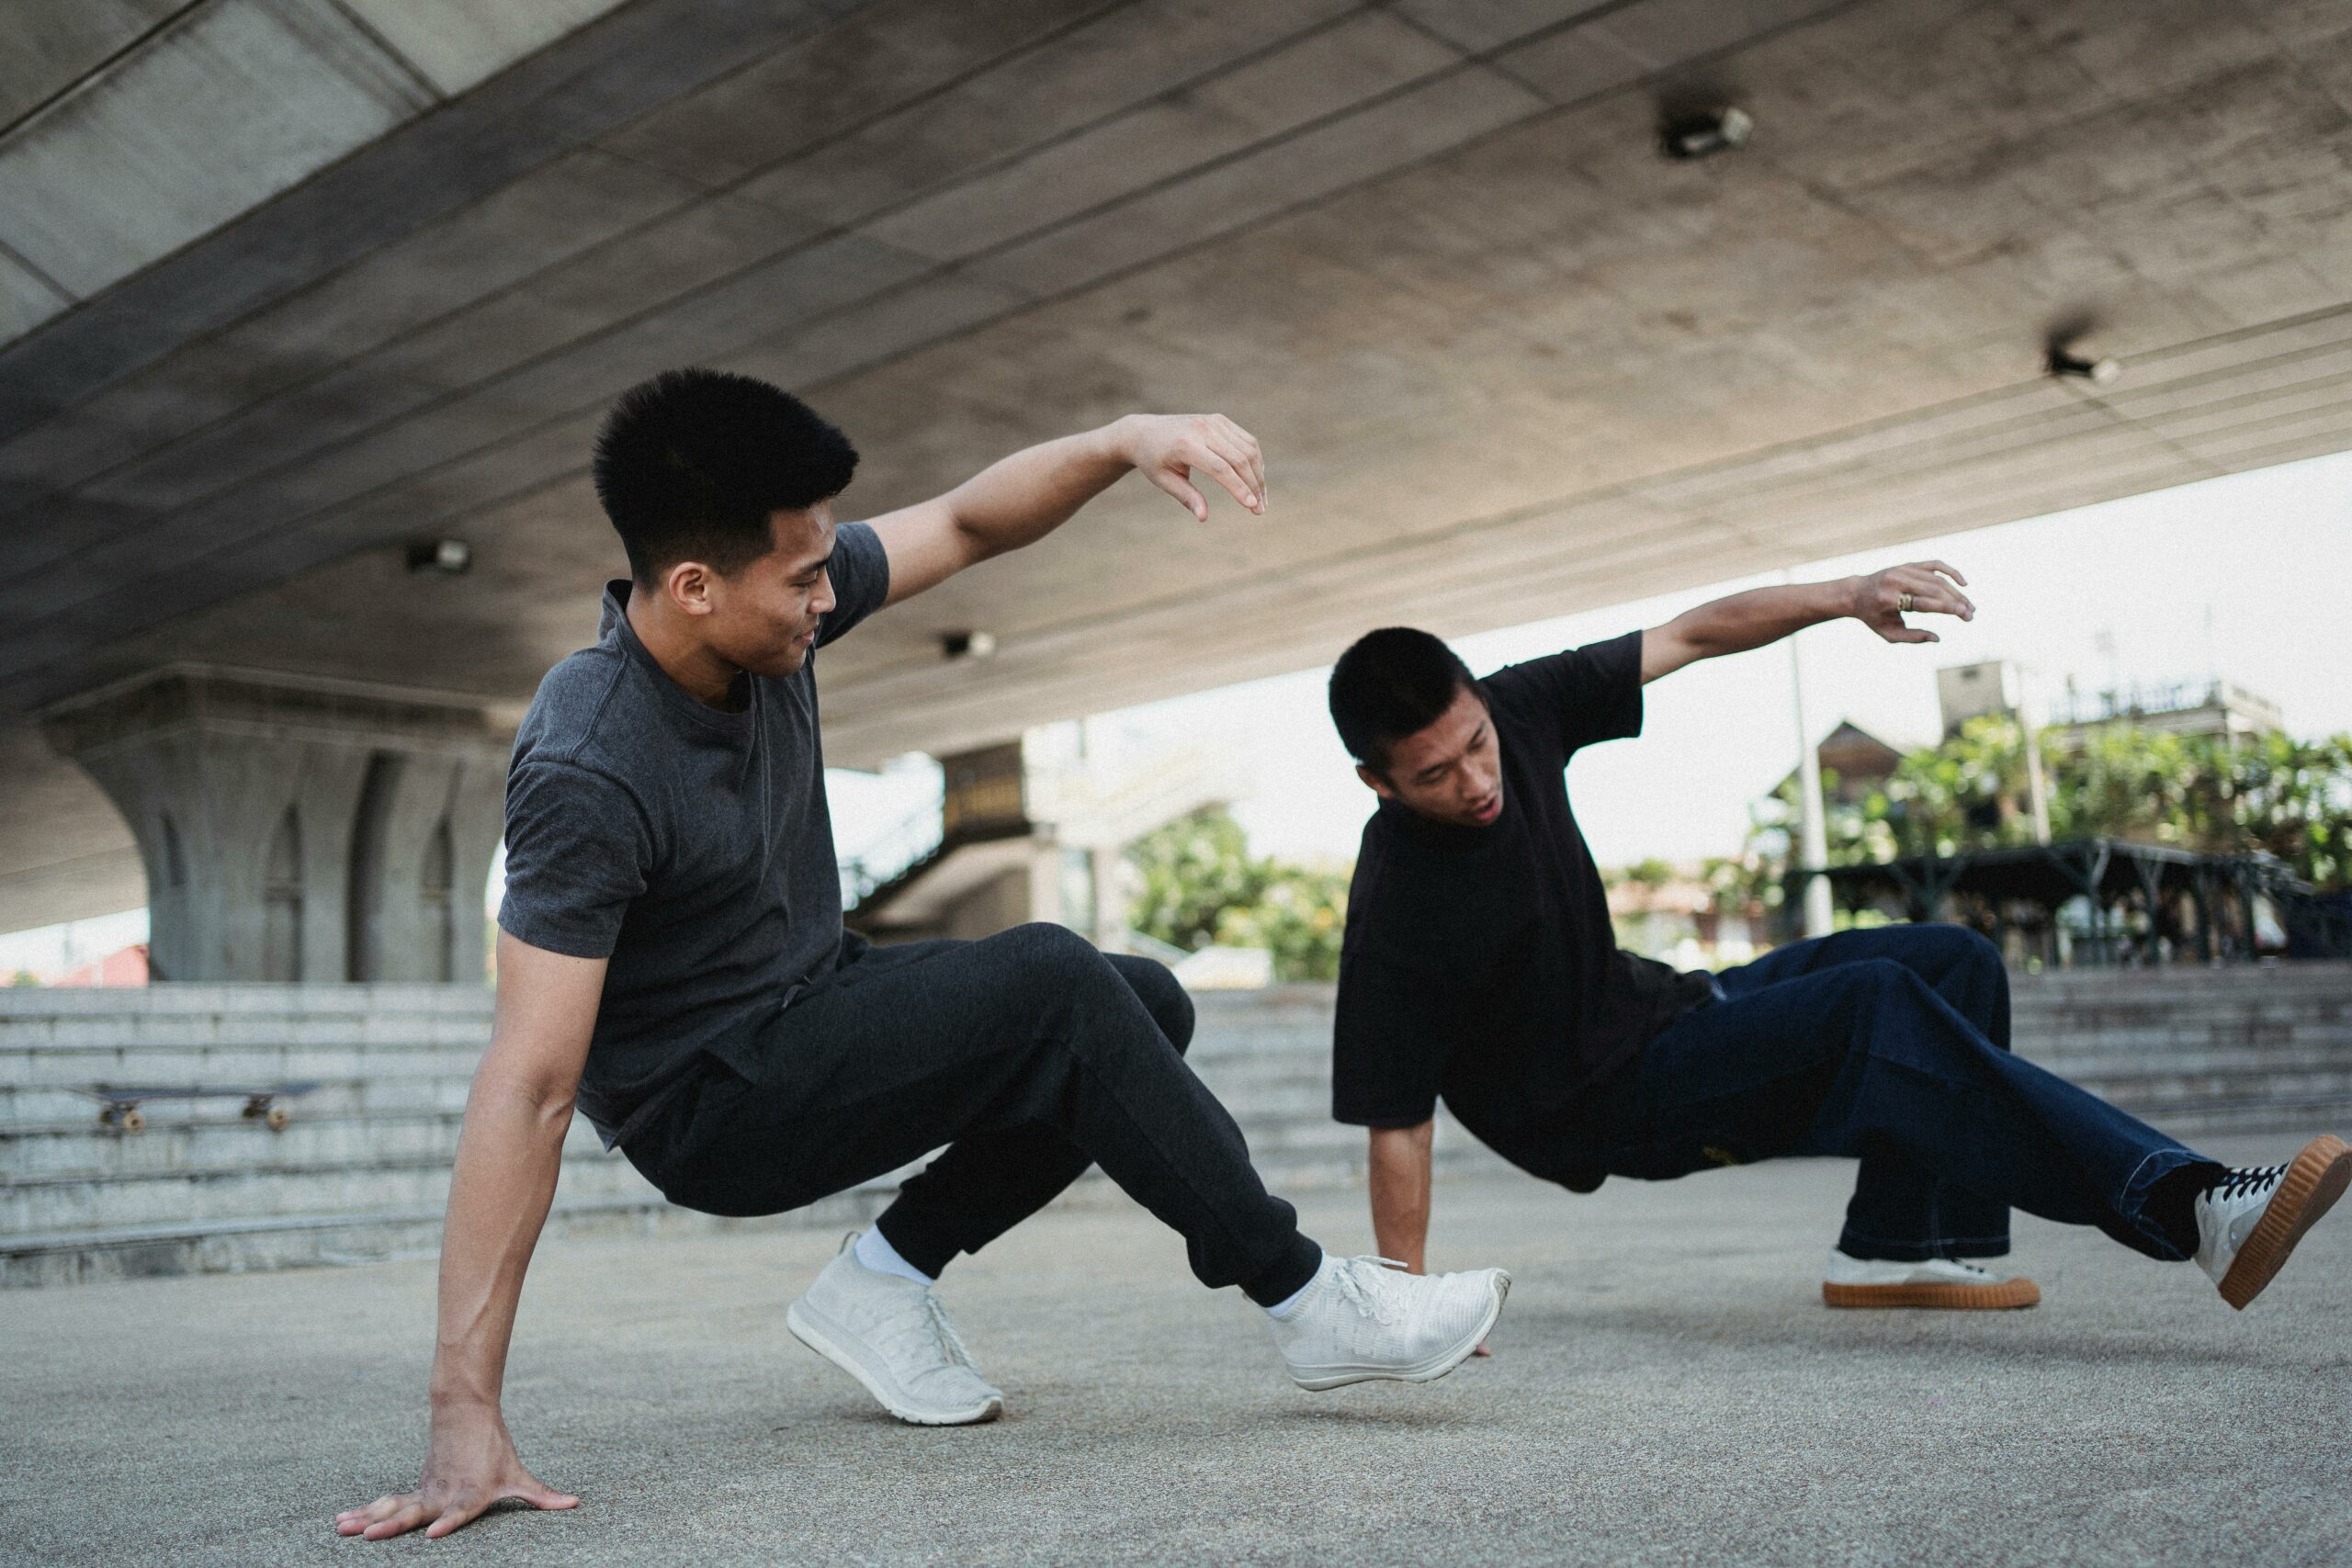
column 362, row 1169
column 2200, row 1051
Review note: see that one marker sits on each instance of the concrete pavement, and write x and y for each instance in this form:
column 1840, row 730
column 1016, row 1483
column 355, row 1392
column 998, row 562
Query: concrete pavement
column 1667, row 1388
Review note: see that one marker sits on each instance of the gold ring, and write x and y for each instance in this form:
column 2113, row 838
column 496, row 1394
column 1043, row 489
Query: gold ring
column 1902, row 602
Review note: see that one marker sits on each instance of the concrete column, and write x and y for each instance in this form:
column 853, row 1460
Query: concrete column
column 299, row 829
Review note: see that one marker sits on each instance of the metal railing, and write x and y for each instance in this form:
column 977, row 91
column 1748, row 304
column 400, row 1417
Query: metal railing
column 917, row 835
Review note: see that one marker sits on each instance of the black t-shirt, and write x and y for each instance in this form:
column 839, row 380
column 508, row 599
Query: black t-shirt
column 1479, row 963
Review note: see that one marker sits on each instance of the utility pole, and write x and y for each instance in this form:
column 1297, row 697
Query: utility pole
column 2037, row 787
column 1813, row 832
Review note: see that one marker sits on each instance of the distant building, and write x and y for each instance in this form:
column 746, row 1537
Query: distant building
column 127, row 966
column 1972, row 691
column 1682, row 920
column 1854, row 763
column 2204, row 707
column 2200, row 705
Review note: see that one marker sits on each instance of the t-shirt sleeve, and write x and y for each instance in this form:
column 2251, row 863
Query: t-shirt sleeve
column 1587, row 694
column 577, row 852
column 861, row 573
column 1387, row 1050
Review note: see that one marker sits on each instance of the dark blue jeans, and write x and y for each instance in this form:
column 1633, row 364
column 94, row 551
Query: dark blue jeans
column 1891, row 1047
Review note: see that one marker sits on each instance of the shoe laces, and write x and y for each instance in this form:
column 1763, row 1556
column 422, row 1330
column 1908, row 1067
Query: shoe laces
column 1370, row 1286
column 949, row 1340
column 2239, row 1181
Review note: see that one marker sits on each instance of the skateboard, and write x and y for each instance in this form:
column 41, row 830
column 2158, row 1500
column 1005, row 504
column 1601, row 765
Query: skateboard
column 118, row 1103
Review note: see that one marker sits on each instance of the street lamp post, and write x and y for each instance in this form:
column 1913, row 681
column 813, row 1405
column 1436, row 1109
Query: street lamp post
column 1813, row 834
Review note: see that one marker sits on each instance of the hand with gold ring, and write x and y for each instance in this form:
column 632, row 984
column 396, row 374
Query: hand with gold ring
column 1881, row 600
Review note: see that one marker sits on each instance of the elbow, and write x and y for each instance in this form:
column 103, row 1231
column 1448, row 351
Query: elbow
column 541, row 1099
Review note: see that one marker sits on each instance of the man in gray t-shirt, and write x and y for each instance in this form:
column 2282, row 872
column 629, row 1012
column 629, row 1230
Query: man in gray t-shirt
column 671, row 957
column 688, row 844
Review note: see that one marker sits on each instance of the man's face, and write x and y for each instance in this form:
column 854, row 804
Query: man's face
column 1450, row 772
column 763, row 618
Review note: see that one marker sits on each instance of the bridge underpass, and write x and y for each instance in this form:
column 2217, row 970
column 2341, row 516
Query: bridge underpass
column 1508, row 360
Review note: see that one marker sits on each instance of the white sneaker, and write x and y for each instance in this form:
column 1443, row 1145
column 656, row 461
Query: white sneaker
column 891, row 1334
column 1931, row 1283
column 1365, row 1317
column 2249, row 1221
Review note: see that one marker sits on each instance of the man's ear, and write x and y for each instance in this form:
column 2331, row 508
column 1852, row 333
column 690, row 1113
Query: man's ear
column 687, row 587
column 1374, row 782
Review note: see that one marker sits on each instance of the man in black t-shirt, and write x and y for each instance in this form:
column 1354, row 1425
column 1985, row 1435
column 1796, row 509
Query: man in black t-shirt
column 1479, row 966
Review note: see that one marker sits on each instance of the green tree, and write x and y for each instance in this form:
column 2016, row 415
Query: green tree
column 1200, row 885
column 2273, row 794
column 1300, row 915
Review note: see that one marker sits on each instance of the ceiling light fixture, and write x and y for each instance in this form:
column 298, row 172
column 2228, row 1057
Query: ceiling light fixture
column 2075, row 362
column 965, row 645
column 1706, row 133
column 448, row 556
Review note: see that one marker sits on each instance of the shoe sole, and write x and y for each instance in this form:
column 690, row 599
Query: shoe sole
column 809, row 1330
column 2311, row 1187
column 1430, row 1370
column 2007, row 1296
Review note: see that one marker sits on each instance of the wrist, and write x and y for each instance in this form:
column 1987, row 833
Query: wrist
column 1848, row 598
column 1116, row 441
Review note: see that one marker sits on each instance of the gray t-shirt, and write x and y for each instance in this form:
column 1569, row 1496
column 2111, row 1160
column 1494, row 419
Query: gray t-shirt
column 690, row 846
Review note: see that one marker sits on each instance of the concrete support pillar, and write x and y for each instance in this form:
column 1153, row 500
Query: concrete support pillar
column 299, row 829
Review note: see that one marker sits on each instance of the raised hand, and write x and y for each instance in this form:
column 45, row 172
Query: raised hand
column 471, row 1465
column 1883, row 598
column 1173, row 450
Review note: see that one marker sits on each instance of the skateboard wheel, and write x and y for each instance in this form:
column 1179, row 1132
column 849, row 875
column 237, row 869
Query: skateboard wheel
column 132, row 1121
column 277, row 1118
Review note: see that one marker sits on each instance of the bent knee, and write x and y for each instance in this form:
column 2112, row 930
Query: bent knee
column 1954, row 944
column 1162, row 995
column 1048, row 951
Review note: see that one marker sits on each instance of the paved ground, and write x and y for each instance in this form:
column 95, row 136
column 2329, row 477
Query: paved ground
column 1667, row 1388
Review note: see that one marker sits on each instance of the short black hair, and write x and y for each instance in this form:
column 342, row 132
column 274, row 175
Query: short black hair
column 1392, row 683
column 690, row 464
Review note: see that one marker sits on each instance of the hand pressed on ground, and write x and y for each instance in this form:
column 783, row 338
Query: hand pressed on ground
column 471, row 1464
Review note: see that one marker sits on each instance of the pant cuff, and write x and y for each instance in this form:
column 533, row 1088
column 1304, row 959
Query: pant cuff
column 1888, row 1249
column 921, row 1243
column 1287, row 1275
column 2156, row 1237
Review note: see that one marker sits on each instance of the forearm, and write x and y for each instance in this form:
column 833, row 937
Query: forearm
column 509, row 1155
column 1020, row 499
column 1761, row 615
column 1400, row 1193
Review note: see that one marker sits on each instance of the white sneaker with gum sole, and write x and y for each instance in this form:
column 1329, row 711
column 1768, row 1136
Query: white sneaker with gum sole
column 1941, row 1282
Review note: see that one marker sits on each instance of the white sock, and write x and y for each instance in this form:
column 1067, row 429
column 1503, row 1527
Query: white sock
column 1283, row 1307
column 874, row 1250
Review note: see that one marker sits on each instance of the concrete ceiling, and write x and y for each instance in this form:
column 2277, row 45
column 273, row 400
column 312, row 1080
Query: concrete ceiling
column 1507, row 360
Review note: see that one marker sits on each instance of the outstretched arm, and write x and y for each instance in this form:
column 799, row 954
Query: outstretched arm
column 1023, row 498
column 508, row 1156
column 1762, row 615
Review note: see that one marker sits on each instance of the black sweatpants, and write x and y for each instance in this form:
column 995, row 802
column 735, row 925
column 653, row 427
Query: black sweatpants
column 1030, row 1054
